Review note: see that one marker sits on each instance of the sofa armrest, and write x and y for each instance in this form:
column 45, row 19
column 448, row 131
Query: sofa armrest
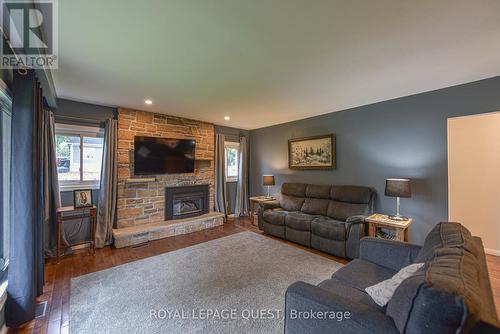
column 355, row 230
column 269, row 205
column 263, row 206
column 311, row 309
column 360, row 219
column 388, row 253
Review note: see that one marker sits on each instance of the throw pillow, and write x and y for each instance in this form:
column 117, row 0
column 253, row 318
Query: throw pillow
column 382, row 292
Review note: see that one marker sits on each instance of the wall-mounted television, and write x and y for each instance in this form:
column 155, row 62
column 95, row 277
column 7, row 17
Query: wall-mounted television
column 154, row 155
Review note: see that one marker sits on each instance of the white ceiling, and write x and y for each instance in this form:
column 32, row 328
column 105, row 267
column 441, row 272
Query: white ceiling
column 264, row 62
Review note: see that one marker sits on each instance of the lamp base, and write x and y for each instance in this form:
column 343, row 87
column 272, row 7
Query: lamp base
column 399, row 218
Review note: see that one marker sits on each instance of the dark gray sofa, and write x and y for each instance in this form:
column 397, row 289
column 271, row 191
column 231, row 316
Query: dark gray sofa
column 451, row 293
column 327, row 218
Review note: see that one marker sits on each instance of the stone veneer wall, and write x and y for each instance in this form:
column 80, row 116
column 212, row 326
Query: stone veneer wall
column 143, row 203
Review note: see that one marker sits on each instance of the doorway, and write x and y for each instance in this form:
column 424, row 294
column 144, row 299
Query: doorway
column 474, row 176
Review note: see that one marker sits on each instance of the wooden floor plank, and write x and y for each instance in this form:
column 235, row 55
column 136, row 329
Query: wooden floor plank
column 58, row 275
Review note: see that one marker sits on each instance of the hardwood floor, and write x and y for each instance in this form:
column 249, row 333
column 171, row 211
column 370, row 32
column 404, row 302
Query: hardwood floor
column 58, row 275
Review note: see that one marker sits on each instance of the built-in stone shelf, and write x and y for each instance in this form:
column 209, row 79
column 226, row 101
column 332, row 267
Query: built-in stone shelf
column 141, row 180
column 134, row 235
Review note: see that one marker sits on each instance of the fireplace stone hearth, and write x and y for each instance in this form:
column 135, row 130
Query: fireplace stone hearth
column 140, row 234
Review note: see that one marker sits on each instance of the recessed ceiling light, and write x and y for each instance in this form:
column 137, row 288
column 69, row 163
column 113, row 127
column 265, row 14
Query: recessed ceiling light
column 227, row 118
column 148, row 101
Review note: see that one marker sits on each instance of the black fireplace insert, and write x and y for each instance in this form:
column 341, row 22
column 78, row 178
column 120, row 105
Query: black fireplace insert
column 186, row 201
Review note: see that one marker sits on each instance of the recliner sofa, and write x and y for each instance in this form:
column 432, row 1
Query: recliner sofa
column 327, row 218
column 451, row 293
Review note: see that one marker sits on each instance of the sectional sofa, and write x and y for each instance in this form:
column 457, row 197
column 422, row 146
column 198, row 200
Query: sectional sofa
column 327, row 218
column 451, row 293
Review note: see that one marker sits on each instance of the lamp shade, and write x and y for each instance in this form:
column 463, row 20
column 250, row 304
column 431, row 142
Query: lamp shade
column 268, row 180
column 397, row 188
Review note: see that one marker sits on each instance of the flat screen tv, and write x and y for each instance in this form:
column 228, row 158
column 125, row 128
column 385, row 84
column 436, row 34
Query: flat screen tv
column 163, row 156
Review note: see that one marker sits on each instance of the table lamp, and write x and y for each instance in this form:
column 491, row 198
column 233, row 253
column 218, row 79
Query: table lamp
column 268, row 181
column 397, row 188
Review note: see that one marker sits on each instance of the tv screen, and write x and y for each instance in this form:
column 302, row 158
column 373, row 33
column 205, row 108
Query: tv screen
column 163, row 156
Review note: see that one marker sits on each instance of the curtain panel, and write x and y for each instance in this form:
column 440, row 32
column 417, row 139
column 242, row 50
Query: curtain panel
column 26, row 263
column 241, row 206
column 108, row 187
column 220, row 174
column 51, row 197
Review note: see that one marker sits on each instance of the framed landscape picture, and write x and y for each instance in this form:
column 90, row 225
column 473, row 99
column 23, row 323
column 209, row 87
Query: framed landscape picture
column 312, row 152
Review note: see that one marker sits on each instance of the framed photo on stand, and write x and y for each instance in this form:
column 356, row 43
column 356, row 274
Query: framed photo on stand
column 82, row 198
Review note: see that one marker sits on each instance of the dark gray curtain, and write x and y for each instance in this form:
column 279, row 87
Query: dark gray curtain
column 50, row 184
column 107, row 193
column 26, row 232
column 241, row 207
column 220, row 174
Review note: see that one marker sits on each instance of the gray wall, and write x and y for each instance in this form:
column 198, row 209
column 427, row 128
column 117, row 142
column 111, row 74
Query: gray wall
column 232, row 134
column 405, row 137
column 79, row 113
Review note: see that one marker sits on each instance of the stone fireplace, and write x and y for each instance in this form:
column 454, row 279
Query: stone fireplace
column 187, row 201
column 141, row 201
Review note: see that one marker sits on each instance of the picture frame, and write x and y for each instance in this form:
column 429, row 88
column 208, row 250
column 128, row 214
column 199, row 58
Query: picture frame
column 82, row 198
column 316, row 152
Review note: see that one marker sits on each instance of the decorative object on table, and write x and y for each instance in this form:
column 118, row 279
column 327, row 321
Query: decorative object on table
column 268, row 180
column 386, row 234
column 382, row 226
column 70, row 213
column 316, row 152
column 398, row 188
column 82, row 198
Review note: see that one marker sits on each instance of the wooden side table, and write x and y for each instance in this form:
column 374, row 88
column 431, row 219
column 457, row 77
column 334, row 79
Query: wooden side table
column 89, row 212
column 400, row 227
column 257, row 200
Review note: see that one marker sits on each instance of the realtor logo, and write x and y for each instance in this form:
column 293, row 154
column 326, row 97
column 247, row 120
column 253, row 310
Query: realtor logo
column 31, row 32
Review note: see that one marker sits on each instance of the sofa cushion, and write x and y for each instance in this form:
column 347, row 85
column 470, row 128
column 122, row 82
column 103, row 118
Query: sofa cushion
column 361, row 274
column 343, row 210
column 315, row 206
column 275, row 217
column 291, row 203
column 315, row 191
column 383, row 291
column 342, row 289
column 328, row 228
column 294, row 189
column 299, row 221
column 351, row 194
column 446, row 234
column 442, row 297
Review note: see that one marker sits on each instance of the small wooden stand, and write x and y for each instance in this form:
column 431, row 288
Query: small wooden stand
column 401, row 227
column 82, row 213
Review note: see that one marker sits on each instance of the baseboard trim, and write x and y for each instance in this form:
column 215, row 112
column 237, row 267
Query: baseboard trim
column 492, row 251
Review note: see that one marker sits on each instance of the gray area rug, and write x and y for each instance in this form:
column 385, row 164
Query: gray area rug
column 234, row 284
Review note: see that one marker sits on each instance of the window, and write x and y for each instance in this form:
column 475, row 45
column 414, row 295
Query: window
column 79, row 152
column 5, row 162
column 232, row 155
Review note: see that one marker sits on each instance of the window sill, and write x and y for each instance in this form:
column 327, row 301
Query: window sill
column 79, row 186
column 232, row 181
